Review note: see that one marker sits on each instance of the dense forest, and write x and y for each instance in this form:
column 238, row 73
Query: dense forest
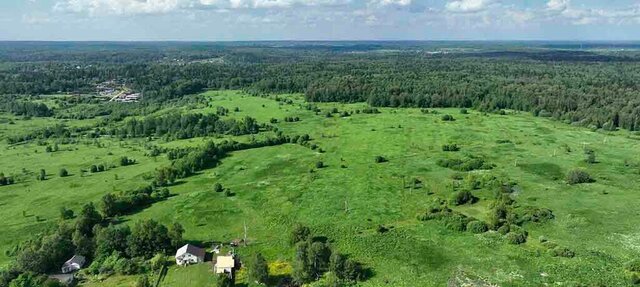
column 581, row 87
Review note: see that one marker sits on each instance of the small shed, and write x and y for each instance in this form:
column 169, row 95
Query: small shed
column 189, row 254
column 75, row 263
column 225, row 265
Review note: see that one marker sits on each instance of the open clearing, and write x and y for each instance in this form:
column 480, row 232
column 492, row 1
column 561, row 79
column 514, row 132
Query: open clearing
column 274, row 189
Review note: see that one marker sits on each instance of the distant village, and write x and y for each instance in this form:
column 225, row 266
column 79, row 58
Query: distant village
column 117, row 92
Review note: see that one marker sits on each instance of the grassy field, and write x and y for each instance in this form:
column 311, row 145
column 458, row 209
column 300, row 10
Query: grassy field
column 274, row 189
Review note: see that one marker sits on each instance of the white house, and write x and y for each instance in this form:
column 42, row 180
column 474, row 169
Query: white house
column 75, row 263
column 189, row 254
column 225, row 265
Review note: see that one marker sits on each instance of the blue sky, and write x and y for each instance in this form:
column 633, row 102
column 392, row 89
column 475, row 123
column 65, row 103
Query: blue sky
column 217, row 20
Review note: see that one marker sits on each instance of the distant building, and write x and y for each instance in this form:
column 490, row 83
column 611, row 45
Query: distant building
column 225, row 265
column 75, row 263
column 189, row 254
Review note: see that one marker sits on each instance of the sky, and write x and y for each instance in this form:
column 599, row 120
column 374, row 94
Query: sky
column 246, row 20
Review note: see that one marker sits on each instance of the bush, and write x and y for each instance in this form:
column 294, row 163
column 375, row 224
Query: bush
column 477, row 226
column 63, row 172
column 467, row 164
column 503, row 229
column 450, row 147
column 456, row 221
column 464, row 111
column 218, row 187
column 319, row 164
column 633, row 266
column 464, row 197
column 380, row 159
column 634, row 279
column 448, row 118
column 562, row 252
column 516, row 235
column 578, row 176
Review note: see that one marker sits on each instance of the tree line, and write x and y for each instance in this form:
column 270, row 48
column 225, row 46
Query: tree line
column 577, row 87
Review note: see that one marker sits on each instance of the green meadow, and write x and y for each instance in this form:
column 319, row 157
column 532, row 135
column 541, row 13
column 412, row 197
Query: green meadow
column 349, row 198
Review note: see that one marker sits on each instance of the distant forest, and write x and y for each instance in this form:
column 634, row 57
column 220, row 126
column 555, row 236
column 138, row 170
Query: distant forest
column 589, row 87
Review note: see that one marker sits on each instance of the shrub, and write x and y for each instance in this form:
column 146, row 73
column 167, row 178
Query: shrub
column 578, row 176
column 319, row 164
column 633, row 265
column 468, row 164
column 380, row 159
column 516, row 235
column 299, row 233
column 464, row 111
column 635, row 279
column 562, row 252
column 448, row 118
column 456, row 221
column 218, row 187
column 477, row 226
column 464, row 197
column 63, row 172
column 503, row 229
column 535, row 214
column 450, row 147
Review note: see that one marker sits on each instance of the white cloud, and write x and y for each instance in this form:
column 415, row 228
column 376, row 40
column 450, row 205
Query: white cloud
column 467, row 6
column 557, row 5
column 36, row 19
column 133, row 7
column 118, row 7
column 391, row 2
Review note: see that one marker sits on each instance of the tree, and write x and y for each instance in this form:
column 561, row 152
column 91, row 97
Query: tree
column 66, row 213
column 578, row 176
column 112, row 239
column 223, row 280
column 28, row 279
column 147, row 238
column 63, row 172
column 299, row 233
column 218, row 187
column 448, row 118
column 258, row 270
column 42, row 175
column 175, row 234
column 319, row 255
column 590, row 156
column 108, row 205
column 143, row 281
column 301, row 267
column 85, row 245
column 124, row 161
column 94, row 168
column 87, row 219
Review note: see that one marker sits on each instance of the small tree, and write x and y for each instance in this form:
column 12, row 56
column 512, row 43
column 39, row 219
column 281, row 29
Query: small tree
column 319, row 164
column 578, row 176
column 299, row 233
column 63, row 172
column 258, row 270
column 380, row 159
column 448, row 118
column 218, row 187
column 42, row 175
column 590, row 156
column 66, row 213
column 223, row 280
